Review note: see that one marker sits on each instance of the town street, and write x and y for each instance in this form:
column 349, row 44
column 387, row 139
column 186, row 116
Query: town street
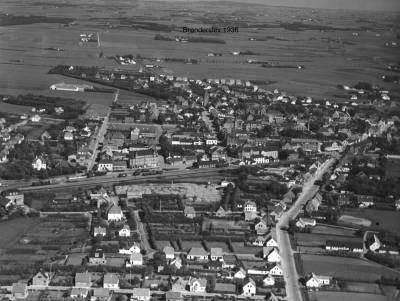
column 287, row 259
column 99, row 139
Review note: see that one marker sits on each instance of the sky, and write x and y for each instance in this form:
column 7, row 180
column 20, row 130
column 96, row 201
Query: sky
column 376, row 5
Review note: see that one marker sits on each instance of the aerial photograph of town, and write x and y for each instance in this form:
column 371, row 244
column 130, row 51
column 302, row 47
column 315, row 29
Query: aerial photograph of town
column 189, row 150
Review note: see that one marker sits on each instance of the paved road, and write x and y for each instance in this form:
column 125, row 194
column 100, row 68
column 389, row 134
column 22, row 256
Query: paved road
column 287, row 259
column 99, row 139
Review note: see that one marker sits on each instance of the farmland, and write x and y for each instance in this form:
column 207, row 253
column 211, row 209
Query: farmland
column 329, row 51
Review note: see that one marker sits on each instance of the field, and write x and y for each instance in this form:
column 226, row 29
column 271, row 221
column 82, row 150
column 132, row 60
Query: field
column 305, row 239
column 380, row 219
column 334, row 296
column 325, row 229
column 345, row 268
column 11, row 231
column 327, row 48
column 362, row 287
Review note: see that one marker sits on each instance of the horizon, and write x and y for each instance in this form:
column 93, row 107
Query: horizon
column 360, row 5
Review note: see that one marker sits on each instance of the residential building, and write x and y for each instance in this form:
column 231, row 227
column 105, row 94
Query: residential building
column 169, row 252
column 316, row 281
column 189, row 212
column 135, row 259
column 141, row 294
column 99, row 231
column 197, row 285
column 83, row 280
column 125, row 231
column 111, row 281
column 249, row 287
column 41, row 279
column 115, row 214
column 271, row 254
column 98, row 258
column 135, row 248
column 39, row 163
column 197, row 254
column 269, row 281
column 216, row 254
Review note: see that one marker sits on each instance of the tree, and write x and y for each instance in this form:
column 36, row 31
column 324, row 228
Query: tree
column 283, row 154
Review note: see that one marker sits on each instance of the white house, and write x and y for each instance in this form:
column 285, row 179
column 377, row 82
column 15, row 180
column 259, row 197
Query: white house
column 250, row 206
column 125, row 231
column 169, row 252
column 197, row 285
column 115, row 214
column 99, row 231
column 135, row 248
column 271, row 254
column 111, row 281
column 271, row 241
column 276, row 270
column 240, row 274
column 141, row 294
column 269, row 281
column 35, row 118
column 318, row 280
column 39, row 163
column 249, row 287
column 304, row 222
column 105, row 165
column 68, row 136
column 134, row 260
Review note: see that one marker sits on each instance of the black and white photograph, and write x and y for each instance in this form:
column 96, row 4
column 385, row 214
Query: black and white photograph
column 200, row 150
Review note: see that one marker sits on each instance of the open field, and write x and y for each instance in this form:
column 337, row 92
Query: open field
column 326, row 47
column 325, row 229
column 334, row 296
column 306, row 239
column 380, row 219
column 346, row 268
column 362, row 287
column 13, row 230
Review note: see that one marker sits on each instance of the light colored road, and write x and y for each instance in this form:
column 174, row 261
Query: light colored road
column 99, row 139
column 287, row 259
